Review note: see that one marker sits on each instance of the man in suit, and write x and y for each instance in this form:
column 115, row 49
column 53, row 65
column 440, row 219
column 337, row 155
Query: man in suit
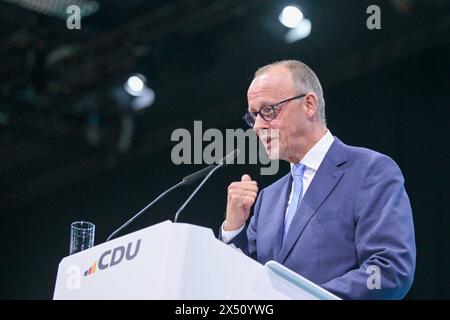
column 341, row 217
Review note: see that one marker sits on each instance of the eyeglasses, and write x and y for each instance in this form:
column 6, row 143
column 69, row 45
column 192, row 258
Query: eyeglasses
column 268, row 113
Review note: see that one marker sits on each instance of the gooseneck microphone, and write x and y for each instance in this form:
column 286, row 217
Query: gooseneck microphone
column 186, row 181
column 224, row 161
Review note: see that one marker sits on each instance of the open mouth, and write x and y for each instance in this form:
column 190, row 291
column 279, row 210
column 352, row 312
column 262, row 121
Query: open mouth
column 270, row 142
column 268, row 138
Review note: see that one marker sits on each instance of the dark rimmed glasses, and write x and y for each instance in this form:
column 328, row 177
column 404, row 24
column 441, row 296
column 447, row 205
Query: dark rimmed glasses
column 268, row 113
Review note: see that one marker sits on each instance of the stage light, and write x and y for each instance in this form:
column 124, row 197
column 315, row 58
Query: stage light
column 300, row 32
column 135, row 84
column 290, row 17
column 145, row 100
column 57, row 8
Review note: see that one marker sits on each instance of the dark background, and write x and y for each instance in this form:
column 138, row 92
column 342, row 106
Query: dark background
column 386, row 89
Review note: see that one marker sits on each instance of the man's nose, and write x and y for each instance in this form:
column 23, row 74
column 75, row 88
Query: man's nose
column 260, row 123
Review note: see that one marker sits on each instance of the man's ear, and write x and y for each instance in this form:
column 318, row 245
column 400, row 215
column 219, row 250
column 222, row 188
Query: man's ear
column 311, row 104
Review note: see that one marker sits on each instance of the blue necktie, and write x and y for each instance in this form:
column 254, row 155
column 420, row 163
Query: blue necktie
column 297, row 174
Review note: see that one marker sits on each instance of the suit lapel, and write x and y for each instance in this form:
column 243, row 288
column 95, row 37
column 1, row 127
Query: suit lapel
column 325, row 180
column 277, row 210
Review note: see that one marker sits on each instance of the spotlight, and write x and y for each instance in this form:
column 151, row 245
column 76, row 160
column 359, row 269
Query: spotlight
column 301, row 31
column 290, row 17
column 145, row 100
column 57, row 8
column 135, row 84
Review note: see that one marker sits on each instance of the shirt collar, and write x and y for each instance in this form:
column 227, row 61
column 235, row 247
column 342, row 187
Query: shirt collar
column 314, row 157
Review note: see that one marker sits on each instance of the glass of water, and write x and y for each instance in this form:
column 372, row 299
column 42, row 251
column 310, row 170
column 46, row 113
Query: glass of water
column 82, row 234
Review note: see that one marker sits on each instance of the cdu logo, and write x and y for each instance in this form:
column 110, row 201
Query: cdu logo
column 109, row 258
column 113, row 257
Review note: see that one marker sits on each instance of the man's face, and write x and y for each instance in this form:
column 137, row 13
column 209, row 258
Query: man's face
column 283, row 135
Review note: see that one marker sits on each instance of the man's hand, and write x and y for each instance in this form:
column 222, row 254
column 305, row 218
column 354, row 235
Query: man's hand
column 241, row 196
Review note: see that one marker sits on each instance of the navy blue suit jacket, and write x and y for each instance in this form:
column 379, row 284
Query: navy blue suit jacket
column 355, row 214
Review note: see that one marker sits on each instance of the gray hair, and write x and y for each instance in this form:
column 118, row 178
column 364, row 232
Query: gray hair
column 304, row 79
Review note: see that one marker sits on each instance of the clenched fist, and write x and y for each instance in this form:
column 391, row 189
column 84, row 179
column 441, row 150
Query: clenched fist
column 241, row 196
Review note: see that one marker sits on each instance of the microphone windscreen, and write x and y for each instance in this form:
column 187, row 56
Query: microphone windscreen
column 197, row 175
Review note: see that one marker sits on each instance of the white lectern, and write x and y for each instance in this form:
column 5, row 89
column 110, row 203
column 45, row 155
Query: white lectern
column 176, row 261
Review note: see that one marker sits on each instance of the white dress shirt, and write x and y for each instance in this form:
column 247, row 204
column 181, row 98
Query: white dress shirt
column 312, row 160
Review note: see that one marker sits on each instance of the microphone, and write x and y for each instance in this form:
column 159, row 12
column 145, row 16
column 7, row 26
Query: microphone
column 197, row 175
column 186, row 181
column 224, row 161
